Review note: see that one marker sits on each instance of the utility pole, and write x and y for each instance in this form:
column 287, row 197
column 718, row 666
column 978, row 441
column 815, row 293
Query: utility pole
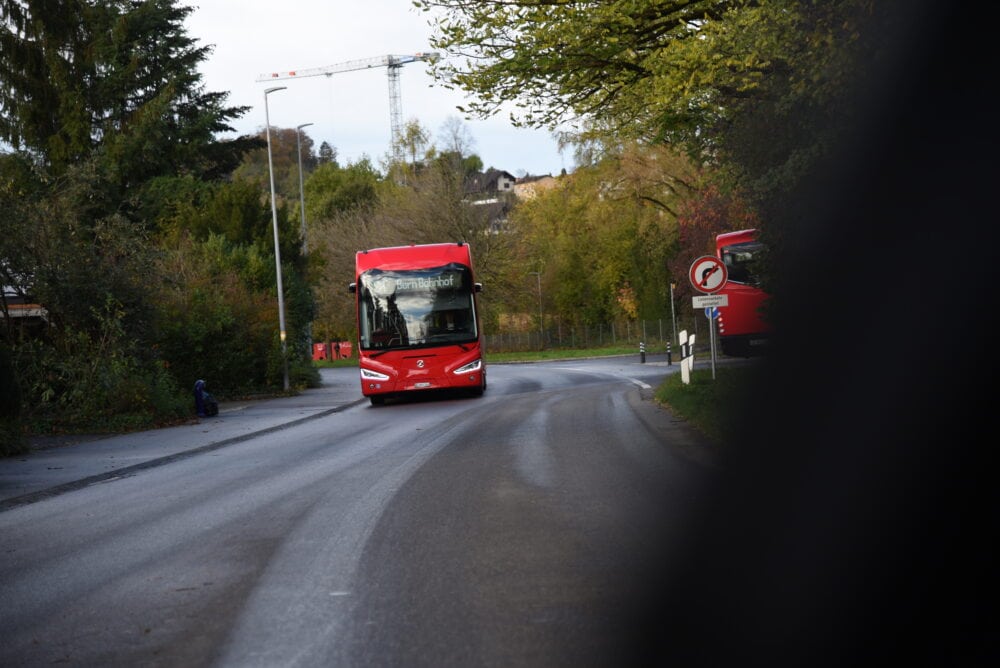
column 541, row 318
column 673, row 316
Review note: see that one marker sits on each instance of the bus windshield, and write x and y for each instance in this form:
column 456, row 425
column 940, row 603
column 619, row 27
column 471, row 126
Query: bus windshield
column 416, row 307
column 740, row 260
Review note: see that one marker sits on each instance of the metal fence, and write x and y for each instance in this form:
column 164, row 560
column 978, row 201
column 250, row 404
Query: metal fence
column 655, row 334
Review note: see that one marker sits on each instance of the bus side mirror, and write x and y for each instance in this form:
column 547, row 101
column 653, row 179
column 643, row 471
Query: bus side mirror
column 352, row 287
column 478, row 287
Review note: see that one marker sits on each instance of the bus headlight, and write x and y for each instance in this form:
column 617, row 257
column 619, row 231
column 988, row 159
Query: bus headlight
column 368, row 374
column 470, row 367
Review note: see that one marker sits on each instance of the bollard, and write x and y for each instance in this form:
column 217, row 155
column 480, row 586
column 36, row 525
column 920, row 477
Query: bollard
column 669, row 358
column 642, row 352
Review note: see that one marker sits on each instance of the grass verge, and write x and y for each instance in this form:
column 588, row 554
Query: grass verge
column 707, row 403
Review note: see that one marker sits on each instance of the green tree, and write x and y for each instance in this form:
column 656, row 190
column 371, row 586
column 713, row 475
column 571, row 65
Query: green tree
column 327, row 153
column 217, row 319
column 762, row 91
column 604, row 237
column 116, row 168
column 430, row 207
column 238, row 211
column 700, row 218
column 60, row 246
column 563, row 59
column 331, row 189
column 118, row 78
column 752, row 84
column 228, row 227
column 415, row 140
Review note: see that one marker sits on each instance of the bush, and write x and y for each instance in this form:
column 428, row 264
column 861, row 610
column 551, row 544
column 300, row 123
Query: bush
column 11, row 433
column 81, row 382
column 215, row 324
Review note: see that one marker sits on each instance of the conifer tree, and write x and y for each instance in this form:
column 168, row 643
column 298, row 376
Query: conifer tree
column 117, row 79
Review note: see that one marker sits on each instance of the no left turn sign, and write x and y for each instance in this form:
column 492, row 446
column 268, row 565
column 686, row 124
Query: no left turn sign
column 708, row 274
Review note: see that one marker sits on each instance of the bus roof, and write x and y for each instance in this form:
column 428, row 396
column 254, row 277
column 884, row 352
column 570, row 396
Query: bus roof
column 738, row 237
column 414, row 256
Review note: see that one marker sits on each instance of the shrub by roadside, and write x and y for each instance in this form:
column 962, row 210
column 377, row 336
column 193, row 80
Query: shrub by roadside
column 12, row 441
column 710, row 405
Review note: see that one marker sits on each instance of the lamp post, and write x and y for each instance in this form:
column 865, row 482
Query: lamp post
column 302, row 208
column 277, row 250
column 302, row 192
column 541, row 320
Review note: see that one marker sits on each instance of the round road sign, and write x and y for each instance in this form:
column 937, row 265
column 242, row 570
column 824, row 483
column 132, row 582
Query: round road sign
column 708, row 274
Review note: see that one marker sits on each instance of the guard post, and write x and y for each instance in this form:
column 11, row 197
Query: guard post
column 642, row 352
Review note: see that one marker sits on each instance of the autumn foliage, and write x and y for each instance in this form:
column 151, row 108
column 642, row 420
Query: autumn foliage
column 699, row 220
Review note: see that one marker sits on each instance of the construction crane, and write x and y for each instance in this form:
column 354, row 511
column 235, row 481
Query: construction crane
column 393, row 63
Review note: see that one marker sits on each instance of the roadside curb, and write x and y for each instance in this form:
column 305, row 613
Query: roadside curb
column 32, row 497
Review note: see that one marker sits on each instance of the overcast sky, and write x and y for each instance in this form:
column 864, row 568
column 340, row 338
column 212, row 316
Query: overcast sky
column 349, row 110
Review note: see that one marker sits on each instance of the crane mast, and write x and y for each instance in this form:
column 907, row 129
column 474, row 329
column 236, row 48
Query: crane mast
column 392, row 62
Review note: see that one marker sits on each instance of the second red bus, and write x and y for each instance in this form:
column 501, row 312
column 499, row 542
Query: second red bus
column 742, row 325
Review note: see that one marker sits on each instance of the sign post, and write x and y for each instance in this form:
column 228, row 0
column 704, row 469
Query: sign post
column 712, row 313
column 708, row 274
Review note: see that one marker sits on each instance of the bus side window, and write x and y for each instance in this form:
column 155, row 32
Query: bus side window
column 737, row 270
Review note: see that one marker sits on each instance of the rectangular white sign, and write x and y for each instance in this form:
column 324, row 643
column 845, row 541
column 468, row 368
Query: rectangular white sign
column 710, row 301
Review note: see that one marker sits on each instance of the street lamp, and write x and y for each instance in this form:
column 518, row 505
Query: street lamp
column 302, row 192
column 277, row 250
column 541, row 321
column 302, row 208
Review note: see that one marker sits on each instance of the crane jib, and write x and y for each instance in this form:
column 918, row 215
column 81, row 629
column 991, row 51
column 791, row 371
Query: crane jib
column 393, row 63
column 350, row 66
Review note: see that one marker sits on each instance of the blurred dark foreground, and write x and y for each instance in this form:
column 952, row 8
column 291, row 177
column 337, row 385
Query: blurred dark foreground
column 854, row 523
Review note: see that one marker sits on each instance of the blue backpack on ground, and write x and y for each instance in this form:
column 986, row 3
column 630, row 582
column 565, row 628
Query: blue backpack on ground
column 204, row 403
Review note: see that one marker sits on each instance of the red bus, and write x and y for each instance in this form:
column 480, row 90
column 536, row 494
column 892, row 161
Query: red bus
column 743, row 329
column 418, row 320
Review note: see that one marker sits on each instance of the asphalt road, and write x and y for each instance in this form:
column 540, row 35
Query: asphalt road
column 522, row 528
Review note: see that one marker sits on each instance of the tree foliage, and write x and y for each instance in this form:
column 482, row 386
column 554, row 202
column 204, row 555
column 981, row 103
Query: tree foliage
column 11, row 432
column 119, row 78
column 332, row 189
column 558, row 60
column 115, row 172
column 285, row 157
column 602, row 240
column 327, row 153
column 762, row 91
column 428, row 207
column 700, row 218
column 749, row 83
column 60, row 246
column 210, row 324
